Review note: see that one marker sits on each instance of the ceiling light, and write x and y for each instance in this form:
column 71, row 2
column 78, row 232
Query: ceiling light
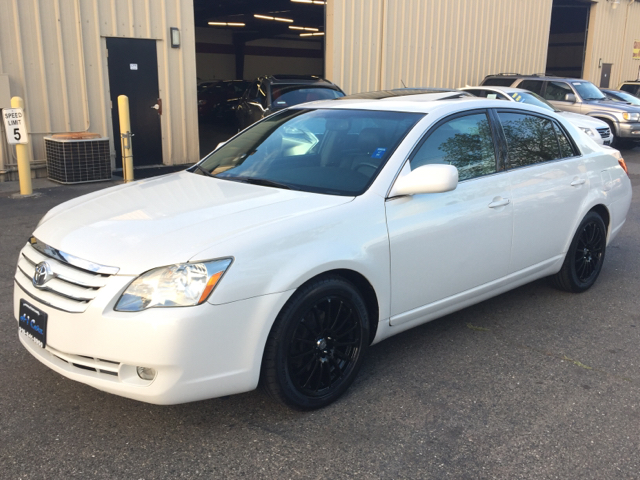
column 315, row 34
column 277, row 19
column 308, row 29
column 226, row 24
column 314, row 2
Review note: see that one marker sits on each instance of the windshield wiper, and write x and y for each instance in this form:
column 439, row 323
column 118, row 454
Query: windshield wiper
column 204, row 172
column 267, row 183
column 595, row 98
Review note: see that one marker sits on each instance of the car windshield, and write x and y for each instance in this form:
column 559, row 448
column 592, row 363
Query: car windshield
column 330, row 151
column 532, row 99
column 587, row 90
column 624, row 97
column 283, row 96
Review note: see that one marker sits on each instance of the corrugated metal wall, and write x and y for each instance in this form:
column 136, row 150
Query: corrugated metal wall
column 55, row 54
column 379, row 44
column 611, row 36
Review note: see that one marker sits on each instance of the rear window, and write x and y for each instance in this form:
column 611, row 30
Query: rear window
column 631, row 88
column 288, row 95
column 498, row 82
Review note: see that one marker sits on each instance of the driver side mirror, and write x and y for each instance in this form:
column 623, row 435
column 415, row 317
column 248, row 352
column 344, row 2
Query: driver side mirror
column 570, row 97
column 434, row 178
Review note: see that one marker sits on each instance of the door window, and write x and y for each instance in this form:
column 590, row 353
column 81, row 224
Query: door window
column 557, row 91
column 534, row 86
column 464, row 142
column 566, row 147
column 530, row 139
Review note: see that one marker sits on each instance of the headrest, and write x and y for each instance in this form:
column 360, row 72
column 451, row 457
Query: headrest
column 370, row 139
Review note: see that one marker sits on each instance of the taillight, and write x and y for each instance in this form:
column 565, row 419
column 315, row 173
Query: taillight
column 623, row 165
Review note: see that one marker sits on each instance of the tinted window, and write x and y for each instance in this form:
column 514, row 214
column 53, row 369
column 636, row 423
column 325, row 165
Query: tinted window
column 283, row 96
column 464, row 142
column 534, row 86
column 530, row 139
column 631, row 88
column 566, row 148
column 498, row 82
column 557, row 91
column 336, row 152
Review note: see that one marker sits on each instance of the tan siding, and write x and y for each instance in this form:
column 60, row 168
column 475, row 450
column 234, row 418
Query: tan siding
column 612, row 33
column 54, row 52
column 433, row 43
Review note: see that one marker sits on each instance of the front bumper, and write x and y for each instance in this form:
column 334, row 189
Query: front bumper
column 198, row 352
column 629, row 130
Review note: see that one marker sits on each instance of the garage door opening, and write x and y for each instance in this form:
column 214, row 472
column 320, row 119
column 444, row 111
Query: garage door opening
column 568, row 38
column 238, row 41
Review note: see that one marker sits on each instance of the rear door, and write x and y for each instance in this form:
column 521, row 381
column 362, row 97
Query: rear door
column 443, row 244
column 548, row 185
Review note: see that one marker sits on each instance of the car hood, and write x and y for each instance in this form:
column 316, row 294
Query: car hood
column 169, row 219
column 585, row 121
column 611, row 106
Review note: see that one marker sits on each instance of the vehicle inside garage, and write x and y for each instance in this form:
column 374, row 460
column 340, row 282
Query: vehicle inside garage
column 238, row 41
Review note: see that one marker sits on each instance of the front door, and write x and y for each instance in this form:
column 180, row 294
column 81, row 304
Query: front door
column 443, row 244
column 133, row 71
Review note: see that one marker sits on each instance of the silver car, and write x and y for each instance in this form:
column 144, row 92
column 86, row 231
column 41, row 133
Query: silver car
column 578, row 96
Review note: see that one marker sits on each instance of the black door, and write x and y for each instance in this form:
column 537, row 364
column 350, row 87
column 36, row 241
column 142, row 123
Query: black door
column 606, row 75
column 133, row 71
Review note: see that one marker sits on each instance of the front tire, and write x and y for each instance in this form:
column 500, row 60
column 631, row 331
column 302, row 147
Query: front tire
column 585, row 257
column 316, row 345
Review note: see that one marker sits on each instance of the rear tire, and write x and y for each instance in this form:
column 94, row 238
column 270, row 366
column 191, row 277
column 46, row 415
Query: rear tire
column 585, row 257
column 316, row 345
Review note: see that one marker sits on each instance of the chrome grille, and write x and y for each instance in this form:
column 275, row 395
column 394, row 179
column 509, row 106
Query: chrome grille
column 604, row 132
column 70, row 288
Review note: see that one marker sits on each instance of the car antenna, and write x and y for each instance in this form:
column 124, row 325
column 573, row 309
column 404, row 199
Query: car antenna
column 403, row 83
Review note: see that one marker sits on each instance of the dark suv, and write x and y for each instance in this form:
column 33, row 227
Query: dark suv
column 275, row 92
column 578, row 96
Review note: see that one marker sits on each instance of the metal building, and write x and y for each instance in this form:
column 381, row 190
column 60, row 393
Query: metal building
column 69, row 59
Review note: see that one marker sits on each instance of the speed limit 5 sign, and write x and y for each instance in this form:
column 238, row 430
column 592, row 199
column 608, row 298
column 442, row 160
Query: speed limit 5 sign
column 15, row 126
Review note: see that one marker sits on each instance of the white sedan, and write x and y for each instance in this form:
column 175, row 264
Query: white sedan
column 598, row 130
column 322, row 229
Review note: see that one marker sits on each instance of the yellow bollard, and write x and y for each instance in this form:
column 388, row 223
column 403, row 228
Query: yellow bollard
column 22, row 154
column 125, row 138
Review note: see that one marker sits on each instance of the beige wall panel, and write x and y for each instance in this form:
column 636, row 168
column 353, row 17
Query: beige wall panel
column 353, row 44
column 383, row 43
column 610, row 40
column 54, row 52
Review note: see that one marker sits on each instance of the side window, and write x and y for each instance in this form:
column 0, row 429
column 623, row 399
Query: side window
column 530, row 139
column 534, row 86
column 464, row 142
column 557, row 91
column 566, row 147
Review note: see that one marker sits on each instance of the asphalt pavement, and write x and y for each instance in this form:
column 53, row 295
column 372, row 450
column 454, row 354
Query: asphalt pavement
column 533, row 384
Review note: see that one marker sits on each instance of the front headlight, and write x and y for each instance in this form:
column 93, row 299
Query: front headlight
column 631, row 117
column 588, row 131
column 179, row 285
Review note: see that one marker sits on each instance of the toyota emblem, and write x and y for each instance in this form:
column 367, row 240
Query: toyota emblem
column 42, row 274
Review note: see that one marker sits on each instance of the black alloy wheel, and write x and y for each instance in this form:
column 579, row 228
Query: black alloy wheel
column 316, row 345
column 585, row 257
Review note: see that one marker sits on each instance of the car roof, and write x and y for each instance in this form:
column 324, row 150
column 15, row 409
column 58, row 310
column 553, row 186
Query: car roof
column 497, row 89
column 420, row 104
column 397, row 92
column 296, row 80
column 534, row 76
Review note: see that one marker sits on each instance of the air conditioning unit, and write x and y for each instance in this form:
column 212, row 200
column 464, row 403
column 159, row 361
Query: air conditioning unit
column 77, row 158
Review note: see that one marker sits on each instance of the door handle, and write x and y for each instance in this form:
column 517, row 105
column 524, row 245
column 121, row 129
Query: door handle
column 577, row 182
column 158, row 107
column 499, row 202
